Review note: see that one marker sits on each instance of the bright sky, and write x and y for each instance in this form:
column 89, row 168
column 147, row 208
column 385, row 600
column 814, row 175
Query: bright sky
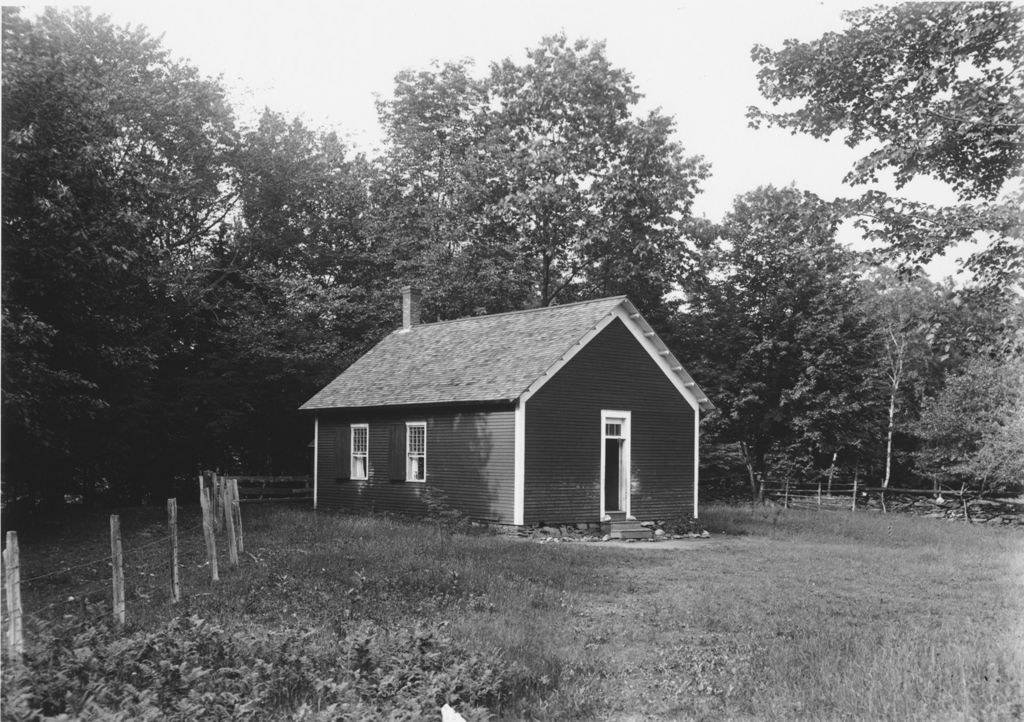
column 327, row 62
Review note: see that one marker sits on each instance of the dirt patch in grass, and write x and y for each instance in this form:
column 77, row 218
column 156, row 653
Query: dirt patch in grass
column 666, row 545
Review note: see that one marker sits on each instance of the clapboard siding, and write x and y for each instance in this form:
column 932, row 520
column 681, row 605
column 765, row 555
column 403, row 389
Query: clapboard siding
column 469, row 462
column 470, row 457
column 563, row 434
column 327, row 452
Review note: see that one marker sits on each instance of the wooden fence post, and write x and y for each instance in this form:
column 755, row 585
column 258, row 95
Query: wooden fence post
column 853, row 504
column 219, row 486
column 12, row 589
column 229, row 521
column 222, row 513
column 224, row 495
column 215, row 498
column 211, row 540
column 117, row 564
column 236, row 511
column 172, row 523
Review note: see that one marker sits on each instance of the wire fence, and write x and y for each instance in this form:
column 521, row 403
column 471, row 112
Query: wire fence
column 147, row 571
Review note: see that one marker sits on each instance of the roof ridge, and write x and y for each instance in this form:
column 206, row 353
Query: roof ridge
column 521, row 311
column 454, row 360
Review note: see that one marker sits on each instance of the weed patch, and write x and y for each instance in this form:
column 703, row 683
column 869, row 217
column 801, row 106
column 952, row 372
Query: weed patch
column 791, row 615
column 194, row 669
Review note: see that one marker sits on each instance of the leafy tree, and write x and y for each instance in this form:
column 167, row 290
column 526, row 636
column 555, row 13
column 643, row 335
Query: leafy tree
column 972, row 429
column 913, row 232
column 433, row 191
column 543, row 174
column 303, row 201
column 593, row 193
column 933, row 89
column 774, row 320
column 923, row 333
column 907, row 318
column 114, row 169
column 936, row 85
column 291, row 295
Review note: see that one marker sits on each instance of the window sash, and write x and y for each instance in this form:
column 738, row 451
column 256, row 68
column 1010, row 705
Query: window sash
column 613, row 428
column 416, row 452
column 360, row 451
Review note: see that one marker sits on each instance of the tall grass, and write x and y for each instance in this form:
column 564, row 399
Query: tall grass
column 867, row 616
column 777, row 522
column 785, row 615
column 333, row 584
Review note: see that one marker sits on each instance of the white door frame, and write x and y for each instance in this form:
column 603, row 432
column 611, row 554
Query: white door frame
column 624, row 418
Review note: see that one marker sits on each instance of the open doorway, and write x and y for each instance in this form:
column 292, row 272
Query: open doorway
column 615, row 462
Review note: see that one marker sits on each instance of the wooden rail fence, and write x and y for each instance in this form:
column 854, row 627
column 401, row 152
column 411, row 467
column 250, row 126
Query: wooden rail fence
column 260, row 488
column 275, row 488
column 834, row 494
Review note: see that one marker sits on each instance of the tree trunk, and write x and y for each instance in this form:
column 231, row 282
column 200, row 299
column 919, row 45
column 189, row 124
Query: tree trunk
column 750, row 471
column 545, row 290
column 832, row 471
column 896, row 353
column 888, row 446
column 888, row 440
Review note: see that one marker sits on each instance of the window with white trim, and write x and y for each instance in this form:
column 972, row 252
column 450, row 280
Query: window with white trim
column 416, row 451
column 360, row 451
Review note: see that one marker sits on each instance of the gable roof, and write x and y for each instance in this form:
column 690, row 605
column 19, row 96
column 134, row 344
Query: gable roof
column 477, row 359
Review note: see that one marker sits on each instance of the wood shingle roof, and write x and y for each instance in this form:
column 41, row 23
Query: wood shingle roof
column 476, row 359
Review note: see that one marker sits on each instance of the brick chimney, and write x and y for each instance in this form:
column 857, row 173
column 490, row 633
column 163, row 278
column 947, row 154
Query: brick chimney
column 410, row 307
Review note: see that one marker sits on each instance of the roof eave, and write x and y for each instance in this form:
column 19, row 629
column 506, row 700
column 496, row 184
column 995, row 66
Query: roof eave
column 702, row 398
column 410, row 405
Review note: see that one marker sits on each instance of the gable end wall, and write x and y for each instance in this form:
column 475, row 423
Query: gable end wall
column 562, row 473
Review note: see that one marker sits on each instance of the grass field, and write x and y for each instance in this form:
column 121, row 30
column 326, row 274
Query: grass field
column 781, row 615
